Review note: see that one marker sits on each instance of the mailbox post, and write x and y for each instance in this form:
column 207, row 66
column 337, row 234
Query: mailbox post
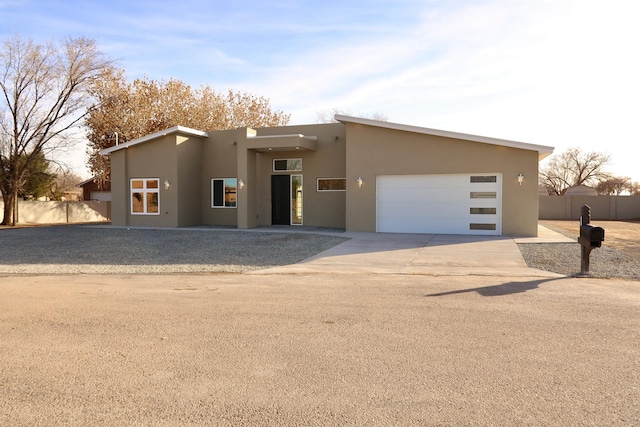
column 590, row 237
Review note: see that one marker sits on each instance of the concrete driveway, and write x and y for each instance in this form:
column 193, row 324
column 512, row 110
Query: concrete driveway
column 425, row 254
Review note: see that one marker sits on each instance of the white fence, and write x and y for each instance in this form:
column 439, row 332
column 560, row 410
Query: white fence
column 35, row 212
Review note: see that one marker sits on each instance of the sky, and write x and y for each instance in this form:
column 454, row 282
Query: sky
column 560, row 73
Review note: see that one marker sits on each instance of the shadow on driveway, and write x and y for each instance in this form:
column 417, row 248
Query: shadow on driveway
column 499, row 290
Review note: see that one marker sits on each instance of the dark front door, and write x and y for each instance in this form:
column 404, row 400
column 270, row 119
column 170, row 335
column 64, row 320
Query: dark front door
column 280, row 200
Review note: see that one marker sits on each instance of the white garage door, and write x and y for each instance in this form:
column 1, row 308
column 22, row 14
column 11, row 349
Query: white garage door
column 439, row 204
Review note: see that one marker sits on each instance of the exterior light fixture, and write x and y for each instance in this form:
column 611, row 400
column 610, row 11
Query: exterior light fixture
column 167, row 184
column 241, row 183
column 520, row 179
column 360, row 182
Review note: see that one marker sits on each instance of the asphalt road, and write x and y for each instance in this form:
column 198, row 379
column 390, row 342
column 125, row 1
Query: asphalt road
column 321, row 349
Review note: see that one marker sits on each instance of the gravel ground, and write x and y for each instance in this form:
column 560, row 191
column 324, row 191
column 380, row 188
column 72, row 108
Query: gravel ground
column 49, row 250
column 564, row 258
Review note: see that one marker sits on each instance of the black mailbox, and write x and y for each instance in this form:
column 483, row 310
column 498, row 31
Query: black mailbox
column 591, row 236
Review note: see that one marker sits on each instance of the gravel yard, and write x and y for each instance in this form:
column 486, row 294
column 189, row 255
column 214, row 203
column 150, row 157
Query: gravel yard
column 564, row 258
column 104, row 250
column 101, row 250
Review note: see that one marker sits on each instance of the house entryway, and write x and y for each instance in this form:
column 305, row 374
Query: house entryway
column 286, row 199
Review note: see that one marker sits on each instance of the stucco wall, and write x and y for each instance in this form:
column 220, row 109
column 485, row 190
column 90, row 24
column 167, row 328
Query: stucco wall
column 218, row 160
column 321, row 209
column 119, row 188
column 375, row 151
column 54, row 212
column 189, row 181
column 610, row 208
column 155, row 159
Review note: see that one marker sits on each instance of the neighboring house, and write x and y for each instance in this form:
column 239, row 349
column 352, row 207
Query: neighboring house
column 92, row 190
column 356, row 174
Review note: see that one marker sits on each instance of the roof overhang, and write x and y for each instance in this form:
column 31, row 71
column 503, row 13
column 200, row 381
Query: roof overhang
column 86, row 181
column 543, row 150
column 266, row 143
column 181, row 130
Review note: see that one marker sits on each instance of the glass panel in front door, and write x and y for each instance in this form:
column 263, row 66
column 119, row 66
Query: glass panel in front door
column 296, row 199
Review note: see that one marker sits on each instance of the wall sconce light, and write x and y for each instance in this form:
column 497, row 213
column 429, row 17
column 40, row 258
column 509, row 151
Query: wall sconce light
column 241, row 183
column 520, row 179
column 167, row 184
column 360, row 182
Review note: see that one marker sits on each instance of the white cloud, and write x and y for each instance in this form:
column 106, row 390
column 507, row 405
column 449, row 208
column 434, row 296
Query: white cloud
column 552, row 72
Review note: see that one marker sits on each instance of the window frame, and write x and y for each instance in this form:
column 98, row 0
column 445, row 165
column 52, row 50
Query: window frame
column 288, row 169
column 224, row 198
column 145, row 191
column 297, row 211
column 330, row 179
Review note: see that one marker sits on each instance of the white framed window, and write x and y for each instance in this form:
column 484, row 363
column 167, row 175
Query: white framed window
column 145, row 196
column 287, row 165
column 331, row 184
column 224, row 192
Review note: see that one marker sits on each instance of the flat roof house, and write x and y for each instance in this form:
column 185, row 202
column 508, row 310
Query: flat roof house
column 356, row 174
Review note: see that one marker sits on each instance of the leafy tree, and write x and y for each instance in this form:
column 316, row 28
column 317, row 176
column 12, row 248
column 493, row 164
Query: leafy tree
column 43, row 97
column 573, row 167
column 614, row 186
column 37, row 178
column 127, row 111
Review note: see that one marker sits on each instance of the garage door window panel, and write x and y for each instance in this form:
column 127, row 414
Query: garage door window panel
column 486, row 227
column 483, row 195
column 482, row 211
column 477, row 179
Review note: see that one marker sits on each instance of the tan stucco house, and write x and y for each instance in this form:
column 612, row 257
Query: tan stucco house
column 356, row 174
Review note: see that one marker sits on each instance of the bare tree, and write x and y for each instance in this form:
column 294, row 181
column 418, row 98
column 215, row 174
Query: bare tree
column 327, row 116
column 614, row 186
column 573, row 167
column 44, row 97
column 64, row 183
column 130, row 111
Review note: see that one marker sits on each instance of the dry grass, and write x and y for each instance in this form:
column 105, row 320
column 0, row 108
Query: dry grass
column 623, row 236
